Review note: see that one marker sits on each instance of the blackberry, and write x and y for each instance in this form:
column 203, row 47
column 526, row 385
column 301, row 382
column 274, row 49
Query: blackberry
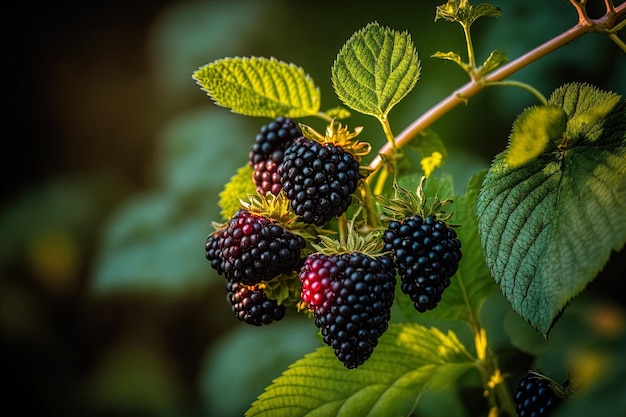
column 319, row 179
column 535, row 396
column 254, row 248
column 251, row 305
column 427, row 253
column 351, row 296
column 266, row 155
column 212, row 252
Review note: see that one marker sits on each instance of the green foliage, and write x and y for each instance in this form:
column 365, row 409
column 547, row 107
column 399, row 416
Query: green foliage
column 240, row 185
column 549, row 226
column 260, row 87
column 407, row 359
column 375, row 69
column 532, row 131
column 463, row 12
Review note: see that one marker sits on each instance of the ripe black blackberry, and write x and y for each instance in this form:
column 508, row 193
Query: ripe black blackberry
column 536, row 395
column 251, row 305
column 427, row 253
column 253, row 248
column 319, row 179
column 266, row 155
column 351, row 295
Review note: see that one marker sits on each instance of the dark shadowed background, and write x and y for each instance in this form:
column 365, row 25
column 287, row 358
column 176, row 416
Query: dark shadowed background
column 114, row 158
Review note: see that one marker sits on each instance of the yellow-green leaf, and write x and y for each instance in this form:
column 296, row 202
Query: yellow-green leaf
column 532, row 131
column 408, row 358
column 260, row 87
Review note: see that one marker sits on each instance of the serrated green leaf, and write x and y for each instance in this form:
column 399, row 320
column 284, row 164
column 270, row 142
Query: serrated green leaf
column 493, row 61
column 463, row 12
column 407, row 359
column 240, row 186
column 549, row 226
column 260, row 87
column 375, row 69
column 472, row 283
column 532, row 131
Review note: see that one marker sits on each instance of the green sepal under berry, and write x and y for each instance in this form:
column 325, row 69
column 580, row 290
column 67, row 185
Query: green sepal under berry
column 549, row 226
column 405, row 203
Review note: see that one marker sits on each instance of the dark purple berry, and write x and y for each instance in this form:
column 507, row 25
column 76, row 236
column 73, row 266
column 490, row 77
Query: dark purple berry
column 427, row 254
column 267, row 152
column 351, row 296
column 534, row 396
column 252, row 306
column 319, row 180
column 253, row 248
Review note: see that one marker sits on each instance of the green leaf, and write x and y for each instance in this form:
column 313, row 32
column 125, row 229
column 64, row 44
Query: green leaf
column 260, row 87
column 338, row 113
column 532, row 131
column 493, row 61
column 549, row 226
column 375, row 69
column 240, row 186
column 463, row 12
column 472, row 283
column 450, row 56
column 408, row 358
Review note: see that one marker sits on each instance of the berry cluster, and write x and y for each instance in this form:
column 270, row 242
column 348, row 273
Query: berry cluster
column 303, row 181
column 535, row 395
column 249, row 250
column 267, row 153
column 427, row 253
column 351, row 296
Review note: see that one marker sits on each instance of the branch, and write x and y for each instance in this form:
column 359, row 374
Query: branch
column 464, row 93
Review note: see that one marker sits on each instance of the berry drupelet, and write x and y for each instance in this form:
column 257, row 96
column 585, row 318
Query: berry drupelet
column 427, row 253
column 267, row 152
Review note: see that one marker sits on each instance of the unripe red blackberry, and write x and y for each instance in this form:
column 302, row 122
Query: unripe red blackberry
column 427, row 253
column 351, row 295
column 319, row 180
column 254, row 248
column 266, row 154
column 251, row 305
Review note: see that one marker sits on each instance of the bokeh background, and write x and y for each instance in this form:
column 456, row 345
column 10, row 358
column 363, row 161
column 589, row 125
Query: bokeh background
column 114, row 158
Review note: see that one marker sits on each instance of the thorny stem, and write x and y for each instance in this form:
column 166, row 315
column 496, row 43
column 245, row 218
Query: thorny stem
column 464, row 93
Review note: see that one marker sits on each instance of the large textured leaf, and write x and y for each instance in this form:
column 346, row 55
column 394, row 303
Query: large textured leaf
column 407, row 359
column 472, row 283
column 260, row 87
column 375, row 69
column 549, row 226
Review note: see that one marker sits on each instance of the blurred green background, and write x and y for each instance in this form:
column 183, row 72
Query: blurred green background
column 114, row 158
